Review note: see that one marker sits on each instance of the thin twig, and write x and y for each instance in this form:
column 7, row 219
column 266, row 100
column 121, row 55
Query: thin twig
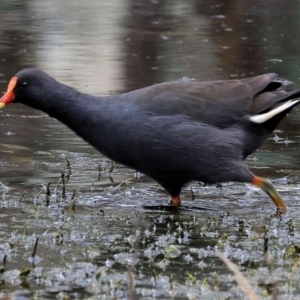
column 239, row 277
column 273, row 280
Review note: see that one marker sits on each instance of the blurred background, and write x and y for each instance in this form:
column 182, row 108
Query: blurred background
column 124, row 45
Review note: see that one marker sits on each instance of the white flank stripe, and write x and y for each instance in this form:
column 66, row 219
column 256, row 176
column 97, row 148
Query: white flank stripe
column 265, row 117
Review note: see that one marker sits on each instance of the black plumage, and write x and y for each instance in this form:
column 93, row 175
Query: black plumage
column 174, row 132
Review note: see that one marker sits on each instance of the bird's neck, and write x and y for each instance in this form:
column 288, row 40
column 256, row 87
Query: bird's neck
column 86, row 115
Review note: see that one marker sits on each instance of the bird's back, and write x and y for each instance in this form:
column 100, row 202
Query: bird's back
column 220, row 103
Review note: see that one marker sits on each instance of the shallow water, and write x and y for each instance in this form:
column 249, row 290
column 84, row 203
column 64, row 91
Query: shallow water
column 106, row 246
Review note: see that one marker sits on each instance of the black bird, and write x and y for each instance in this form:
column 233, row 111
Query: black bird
column 174, row 132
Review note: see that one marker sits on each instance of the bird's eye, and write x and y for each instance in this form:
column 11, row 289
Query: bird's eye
column 24, row 83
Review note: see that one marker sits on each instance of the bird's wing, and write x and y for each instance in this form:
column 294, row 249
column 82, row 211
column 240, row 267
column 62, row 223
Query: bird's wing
column 219, row 103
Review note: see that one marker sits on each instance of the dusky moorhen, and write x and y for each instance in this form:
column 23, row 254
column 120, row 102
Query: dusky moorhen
column 173, row 132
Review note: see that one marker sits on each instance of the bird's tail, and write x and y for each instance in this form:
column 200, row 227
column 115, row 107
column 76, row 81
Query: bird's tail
column 278, row 111
column 259, row 127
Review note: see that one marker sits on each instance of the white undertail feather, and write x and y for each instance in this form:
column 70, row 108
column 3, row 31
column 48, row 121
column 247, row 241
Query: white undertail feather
column 265, row 117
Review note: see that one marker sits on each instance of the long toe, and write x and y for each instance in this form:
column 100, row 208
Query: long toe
column 267, row 186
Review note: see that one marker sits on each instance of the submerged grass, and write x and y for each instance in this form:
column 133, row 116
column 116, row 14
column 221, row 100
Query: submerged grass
column 95, row 242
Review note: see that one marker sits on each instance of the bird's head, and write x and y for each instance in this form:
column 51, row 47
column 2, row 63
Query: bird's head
column 24, row 87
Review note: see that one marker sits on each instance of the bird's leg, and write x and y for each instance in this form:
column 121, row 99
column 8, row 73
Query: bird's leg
column 175, row 201
column 267, row 186
column 173, row 187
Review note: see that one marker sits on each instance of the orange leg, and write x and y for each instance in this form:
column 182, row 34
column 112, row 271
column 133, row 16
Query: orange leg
column 175, row 201
column 267, row 186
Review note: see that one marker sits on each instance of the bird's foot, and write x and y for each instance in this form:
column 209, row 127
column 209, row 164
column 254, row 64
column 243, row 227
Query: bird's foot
column 267, row 186
column 175, row 201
